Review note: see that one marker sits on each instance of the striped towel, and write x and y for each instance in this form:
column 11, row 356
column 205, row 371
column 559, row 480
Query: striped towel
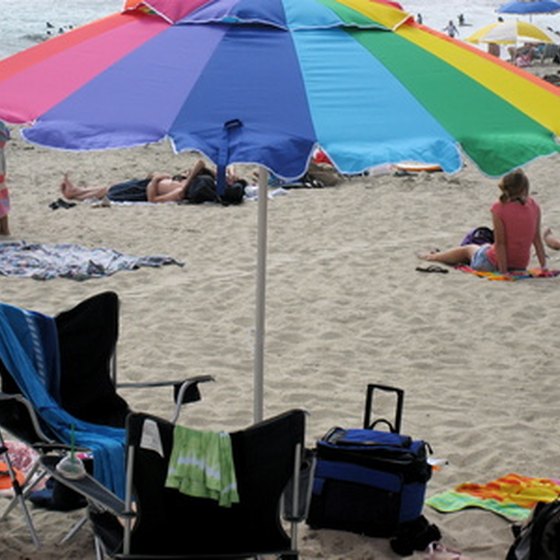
column 512, row 276
column 29, row 350
column 512, row 496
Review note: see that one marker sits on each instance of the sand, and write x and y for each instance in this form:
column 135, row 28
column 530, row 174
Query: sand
column 346, row 307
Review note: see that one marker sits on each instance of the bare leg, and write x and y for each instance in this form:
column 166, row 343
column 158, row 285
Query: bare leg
column 4, row 229
column 72, row 192
column 457, row 255
column 550, row 240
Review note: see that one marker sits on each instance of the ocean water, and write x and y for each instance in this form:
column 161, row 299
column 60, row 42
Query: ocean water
column 23, row 23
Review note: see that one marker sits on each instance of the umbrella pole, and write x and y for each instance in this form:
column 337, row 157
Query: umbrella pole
column 258, row 398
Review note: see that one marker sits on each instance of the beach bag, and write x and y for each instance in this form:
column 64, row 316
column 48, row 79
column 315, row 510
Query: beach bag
column 234, row 194
column 539, row 538
column 324, row 173
column 479, row 236
column 6, row 488
column 369, row 481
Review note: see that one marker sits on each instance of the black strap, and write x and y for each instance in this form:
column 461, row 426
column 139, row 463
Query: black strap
column 223, row 156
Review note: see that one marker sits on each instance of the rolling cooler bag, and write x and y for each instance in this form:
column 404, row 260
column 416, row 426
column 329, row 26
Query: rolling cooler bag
column 370, row 481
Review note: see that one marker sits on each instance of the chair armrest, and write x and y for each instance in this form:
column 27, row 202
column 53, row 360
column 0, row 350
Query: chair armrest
column 27, row 419
column 91, row 489
column 296, row 497
column 54, row 446
column 184, row 390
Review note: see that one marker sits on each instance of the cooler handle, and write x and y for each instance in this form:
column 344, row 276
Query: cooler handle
column 395, row 427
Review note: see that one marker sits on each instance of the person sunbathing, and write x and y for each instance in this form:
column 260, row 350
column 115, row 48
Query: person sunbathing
column 516, row 219
column 158, row 187
column 522, row 56
column 551, row 241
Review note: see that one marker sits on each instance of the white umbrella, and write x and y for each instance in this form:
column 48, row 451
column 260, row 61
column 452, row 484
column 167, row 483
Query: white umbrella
column 511, row 32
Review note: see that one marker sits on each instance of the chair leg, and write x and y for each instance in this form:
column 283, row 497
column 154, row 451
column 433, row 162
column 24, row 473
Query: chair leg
column 74, row 529
column 29, row 521
column 19, row 497
column 27, row 488
column 99, row 553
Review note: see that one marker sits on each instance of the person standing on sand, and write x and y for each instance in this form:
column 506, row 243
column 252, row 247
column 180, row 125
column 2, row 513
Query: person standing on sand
column 516, row 219
column 4, row 194
column 451, row 30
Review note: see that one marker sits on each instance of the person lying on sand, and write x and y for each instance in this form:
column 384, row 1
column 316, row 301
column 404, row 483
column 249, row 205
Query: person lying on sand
column 516, row 219
column 158, row 187
column 552, row 241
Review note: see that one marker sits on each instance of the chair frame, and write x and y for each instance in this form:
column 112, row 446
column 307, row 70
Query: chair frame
column 44, row 444
column 102, row 500
column 30, row 431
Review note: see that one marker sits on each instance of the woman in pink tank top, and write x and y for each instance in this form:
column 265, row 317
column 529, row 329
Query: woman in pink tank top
column 516, row 219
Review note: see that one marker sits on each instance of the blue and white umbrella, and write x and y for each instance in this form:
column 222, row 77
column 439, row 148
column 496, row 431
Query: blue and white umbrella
column 529, row 7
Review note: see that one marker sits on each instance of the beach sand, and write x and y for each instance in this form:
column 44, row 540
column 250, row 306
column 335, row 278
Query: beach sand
column 345, row 307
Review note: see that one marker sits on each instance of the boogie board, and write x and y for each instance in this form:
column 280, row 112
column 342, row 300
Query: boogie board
column 417, row 167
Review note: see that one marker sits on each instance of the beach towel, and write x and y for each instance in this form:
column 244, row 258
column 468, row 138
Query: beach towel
column 201, row 465
column 63, row 260
column 29, row 350
column 512, row 496
column 512, row 276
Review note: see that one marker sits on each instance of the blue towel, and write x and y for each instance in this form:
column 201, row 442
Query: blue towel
column 29, row 350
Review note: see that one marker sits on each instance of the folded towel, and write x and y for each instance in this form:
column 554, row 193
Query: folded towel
column 201, row 465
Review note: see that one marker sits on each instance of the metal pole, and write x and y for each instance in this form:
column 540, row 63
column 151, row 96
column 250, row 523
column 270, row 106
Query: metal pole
column 258, row 398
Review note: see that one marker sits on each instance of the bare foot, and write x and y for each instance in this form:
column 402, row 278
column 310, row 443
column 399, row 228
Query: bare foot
column 550, row 240
column 66, row 187
column 431, row 256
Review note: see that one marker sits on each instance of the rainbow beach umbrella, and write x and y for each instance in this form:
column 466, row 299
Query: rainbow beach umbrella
column 267, row 81
column 358, row 77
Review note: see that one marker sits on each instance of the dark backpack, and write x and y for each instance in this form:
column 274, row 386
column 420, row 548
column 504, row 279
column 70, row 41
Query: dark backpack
column 539, row 538
column 479, row 236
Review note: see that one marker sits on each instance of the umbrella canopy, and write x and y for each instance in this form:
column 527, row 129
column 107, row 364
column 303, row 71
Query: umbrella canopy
column 267, row 81
column 358, row 77
column 529, row 7
column 508, row 32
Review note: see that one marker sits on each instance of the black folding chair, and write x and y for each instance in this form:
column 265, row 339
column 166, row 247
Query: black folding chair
column 85, row 341
column 163, row 523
